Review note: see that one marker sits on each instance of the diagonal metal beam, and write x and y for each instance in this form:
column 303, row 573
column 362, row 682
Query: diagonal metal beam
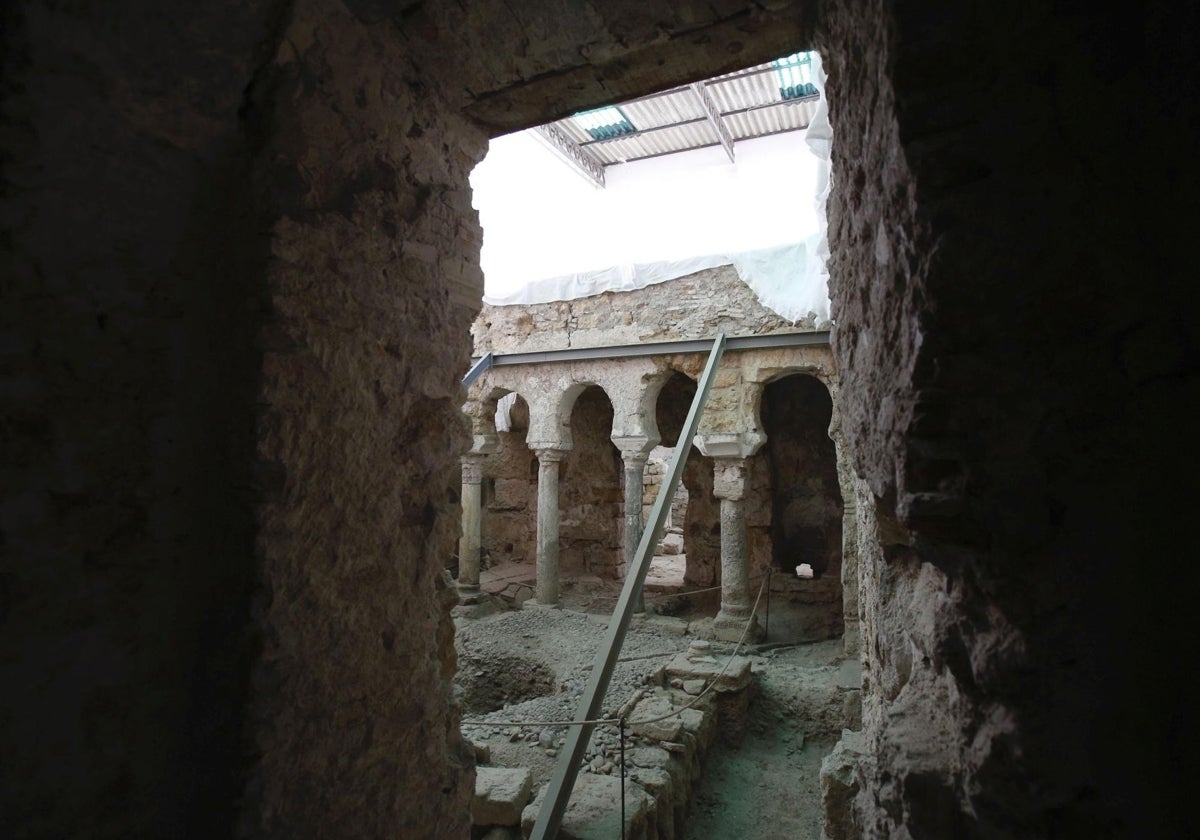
column 478, row 369
column 714, row 117
column 580, row 159
column 554, row 804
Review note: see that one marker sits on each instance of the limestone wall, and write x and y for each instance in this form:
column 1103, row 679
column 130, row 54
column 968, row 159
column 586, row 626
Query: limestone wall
column 590, row 492
column 509, row 521
column 696, row 306
column 238, row 262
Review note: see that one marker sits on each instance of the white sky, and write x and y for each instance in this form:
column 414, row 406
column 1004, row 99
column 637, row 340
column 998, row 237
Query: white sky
column 541, row 219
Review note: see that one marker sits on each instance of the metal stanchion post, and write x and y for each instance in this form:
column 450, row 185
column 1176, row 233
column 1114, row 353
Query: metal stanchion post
column 621, row 729
column 767, row 620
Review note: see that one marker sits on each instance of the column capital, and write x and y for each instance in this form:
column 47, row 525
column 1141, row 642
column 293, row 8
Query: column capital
column 730, row 444
column 550, row 454
column 484, row 444
column 634, row 447
column 472, row 468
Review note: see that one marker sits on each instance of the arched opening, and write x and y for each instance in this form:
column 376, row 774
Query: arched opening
column 590, row 492
column 509, row 501
column 804, row 512
column 690, row 551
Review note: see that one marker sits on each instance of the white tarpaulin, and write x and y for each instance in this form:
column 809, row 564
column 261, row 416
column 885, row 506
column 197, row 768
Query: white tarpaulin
column 786, row 279
column 790, row 278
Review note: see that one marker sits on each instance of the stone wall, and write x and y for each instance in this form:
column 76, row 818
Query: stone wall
column 1009, row 399
column 701, row 524
column 696, row 306
column 509, row 520
column 229, row 450
column 590, row 492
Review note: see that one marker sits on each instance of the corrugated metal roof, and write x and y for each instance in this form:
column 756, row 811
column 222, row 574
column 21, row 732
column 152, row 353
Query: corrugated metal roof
column 750, row 101
column 678, row 138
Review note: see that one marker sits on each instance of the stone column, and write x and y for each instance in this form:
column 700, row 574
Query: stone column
column 546, row 588
column 729, row 485
column 468, row 545
column 635, row 470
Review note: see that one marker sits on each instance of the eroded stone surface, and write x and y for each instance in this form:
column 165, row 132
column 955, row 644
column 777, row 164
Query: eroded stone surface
column 594, row 810
column 696, row 306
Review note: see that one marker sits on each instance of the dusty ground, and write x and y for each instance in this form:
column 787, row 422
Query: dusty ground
column 532, row 664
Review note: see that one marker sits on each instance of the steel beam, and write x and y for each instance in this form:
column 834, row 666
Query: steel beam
column 661, row 348
column 566, row 769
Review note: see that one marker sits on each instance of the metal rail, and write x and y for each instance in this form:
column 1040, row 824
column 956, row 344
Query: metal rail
column 554, row 804
column 655, row 348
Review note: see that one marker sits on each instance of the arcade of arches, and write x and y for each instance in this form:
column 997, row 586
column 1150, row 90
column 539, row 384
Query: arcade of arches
column 240, row 266
column 563, row 485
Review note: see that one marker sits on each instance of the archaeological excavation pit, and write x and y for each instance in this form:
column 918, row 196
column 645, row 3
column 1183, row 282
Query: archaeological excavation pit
column 779, row 709
column 485, row 685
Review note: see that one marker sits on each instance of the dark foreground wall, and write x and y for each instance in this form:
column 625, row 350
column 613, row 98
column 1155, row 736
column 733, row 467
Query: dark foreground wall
column 1018, row 354
column 233, row 241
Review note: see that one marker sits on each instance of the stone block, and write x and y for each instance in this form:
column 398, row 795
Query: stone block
column 594, row 811
column 687, row 666
column 501, row 794
column 849, row 674
column 655, row 706
column 840, row 782
column 671, row 544
column 478, row 740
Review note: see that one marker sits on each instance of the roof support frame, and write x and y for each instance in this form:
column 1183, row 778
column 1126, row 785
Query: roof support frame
column 579, row 159
column 714, row 117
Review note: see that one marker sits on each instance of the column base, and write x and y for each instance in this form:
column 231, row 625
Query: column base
column 534, row 604
column 729, row 628
column 469, row 593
